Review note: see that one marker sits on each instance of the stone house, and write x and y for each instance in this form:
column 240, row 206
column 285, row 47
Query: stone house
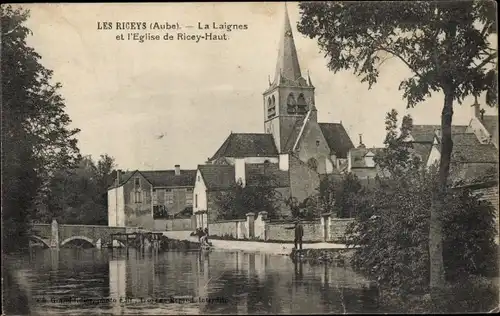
column 138, row 198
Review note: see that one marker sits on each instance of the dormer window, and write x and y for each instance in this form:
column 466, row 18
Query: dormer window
column 369, row 162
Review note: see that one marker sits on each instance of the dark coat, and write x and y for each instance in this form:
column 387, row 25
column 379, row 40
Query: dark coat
column 299, row 231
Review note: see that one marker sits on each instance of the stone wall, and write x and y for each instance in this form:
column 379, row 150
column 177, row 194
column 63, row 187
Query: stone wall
column 234, row 228
column 177, row 224
column 261, row 228
column 277, row 231
column 338, row 227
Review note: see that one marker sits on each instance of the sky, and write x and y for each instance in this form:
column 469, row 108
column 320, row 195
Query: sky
column 156, row 104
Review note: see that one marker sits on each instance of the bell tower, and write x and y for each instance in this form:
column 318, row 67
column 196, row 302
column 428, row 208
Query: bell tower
column 290, row 96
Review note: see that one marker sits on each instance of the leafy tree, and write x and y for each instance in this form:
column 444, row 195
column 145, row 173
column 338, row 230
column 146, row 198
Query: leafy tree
column 347, row 198
column 36, row 139
column 239, row 200
column 79, row 195
column 397, row 155
column 445, row 44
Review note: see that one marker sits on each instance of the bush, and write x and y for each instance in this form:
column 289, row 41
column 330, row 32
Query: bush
column 393, row 229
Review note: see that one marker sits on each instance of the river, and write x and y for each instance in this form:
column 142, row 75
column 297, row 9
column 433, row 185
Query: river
column 91, row 281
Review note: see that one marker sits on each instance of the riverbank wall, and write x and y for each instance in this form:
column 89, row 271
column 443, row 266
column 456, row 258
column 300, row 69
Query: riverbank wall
column 327, row 228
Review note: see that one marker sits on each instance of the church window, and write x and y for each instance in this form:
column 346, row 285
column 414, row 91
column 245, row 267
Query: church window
column 313, row 164
column 317, row 143
column 137, row 183
column 301, row 104
column 271, row 107
column 291, row 104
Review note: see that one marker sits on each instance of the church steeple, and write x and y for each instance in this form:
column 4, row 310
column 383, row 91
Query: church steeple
column 287, row 66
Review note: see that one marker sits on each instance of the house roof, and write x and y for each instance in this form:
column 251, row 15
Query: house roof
column 167, row 178
column 247, row 145
column 423, row 150
column 222, row 177
column 465, row 174
column 162, row 178
column 337, row 138
column 490, row 122
column 425, row 133
column 467, row 148
column 358, row 155
column 217, row 177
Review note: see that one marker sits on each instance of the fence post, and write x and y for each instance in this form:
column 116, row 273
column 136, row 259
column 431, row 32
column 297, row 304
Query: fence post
column 250, row 225
column 263, row 220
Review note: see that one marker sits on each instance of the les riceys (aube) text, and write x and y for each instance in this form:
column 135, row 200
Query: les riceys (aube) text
column 152, row 31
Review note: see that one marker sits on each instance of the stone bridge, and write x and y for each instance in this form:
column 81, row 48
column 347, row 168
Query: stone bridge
column 55, row 235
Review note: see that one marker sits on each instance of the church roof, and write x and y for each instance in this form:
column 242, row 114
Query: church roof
column 337, row 138
column 247, row 145
column 222, row 177
column 294, row 134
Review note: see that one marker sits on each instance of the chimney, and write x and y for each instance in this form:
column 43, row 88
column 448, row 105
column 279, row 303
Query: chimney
column 476, row 108
column 481, row 114
column 118, row 174
column 349, row 162
column 361, row 145
column 239, row 171
column 283, row 162
column 177, row 170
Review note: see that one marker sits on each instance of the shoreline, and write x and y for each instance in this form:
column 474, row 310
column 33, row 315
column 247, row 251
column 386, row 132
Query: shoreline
column 276, row 248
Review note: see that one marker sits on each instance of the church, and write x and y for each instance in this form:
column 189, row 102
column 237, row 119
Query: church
column 295, row 147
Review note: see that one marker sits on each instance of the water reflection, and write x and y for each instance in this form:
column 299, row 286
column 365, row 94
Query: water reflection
column 100, row 281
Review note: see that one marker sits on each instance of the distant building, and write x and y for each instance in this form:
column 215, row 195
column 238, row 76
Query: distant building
column 140, row 197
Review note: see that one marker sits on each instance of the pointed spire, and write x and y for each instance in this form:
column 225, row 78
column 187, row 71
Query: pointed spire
column 269, row 79
column 288, row 63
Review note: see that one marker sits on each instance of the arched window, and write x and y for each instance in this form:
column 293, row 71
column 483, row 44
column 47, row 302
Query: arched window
column 273, row 101
column 271, row 108
column 313, row 164
column 291, row 104
column 301, row 104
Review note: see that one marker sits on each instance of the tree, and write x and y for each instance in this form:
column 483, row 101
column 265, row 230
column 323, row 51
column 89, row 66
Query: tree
column 36, row 139
column 445, row 44
column 236, row 202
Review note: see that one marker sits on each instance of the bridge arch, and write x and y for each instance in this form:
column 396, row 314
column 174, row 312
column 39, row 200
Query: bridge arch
column 67, row 240
column 40, row 239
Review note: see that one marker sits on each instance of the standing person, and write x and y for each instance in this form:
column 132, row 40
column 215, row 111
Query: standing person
column 299, row 233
